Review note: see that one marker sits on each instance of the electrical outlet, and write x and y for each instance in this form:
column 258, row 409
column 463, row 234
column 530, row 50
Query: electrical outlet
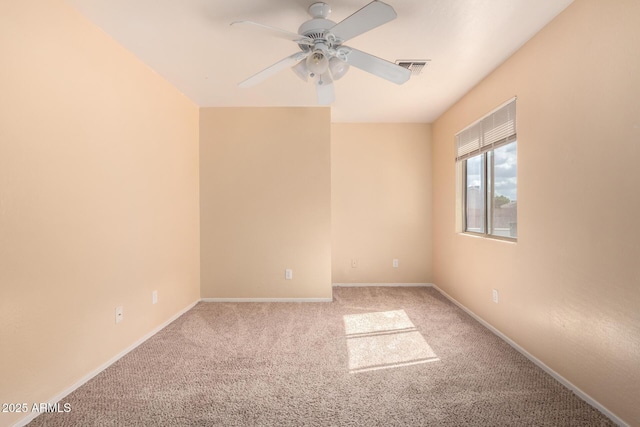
column 495, row 296
column 395, row 263
column 154, row 297
column 119, row 314
column 288, row 274
column 354, row 263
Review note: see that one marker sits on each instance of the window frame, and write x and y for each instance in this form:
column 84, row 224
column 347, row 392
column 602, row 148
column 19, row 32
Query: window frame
column 487, row 174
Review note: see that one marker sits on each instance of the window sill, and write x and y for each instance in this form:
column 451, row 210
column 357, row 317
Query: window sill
column 512, row 240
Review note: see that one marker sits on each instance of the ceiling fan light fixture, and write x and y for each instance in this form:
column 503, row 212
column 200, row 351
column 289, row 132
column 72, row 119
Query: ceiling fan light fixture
column 338, row 68
column 301, row 70
column 317, row 62
column 323, row 58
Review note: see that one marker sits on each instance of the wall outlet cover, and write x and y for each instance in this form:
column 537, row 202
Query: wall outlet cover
column 119, row 314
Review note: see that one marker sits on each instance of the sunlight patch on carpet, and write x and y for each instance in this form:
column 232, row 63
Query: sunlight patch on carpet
column 384, row 340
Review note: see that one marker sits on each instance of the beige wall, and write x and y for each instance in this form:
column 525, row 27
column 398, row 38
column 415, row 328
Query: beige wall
column 381, row 202
column 570, row 287
column 98, row 200
column 265, row 202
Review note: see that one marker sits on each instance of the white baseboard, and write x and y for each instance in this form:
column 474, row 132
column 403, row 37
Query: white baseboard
column 266, row 299
column 584, row 396
column 104, row 366
column 358, row 285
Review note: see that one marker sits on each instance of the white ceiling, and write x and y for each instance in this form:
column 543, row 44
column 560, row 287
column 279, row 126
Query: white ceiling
column 191, row 44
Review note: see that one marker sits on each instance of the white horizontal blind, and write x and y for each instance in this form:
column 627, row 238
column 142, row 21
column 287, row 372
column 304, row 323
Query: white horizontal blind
column 495, row 129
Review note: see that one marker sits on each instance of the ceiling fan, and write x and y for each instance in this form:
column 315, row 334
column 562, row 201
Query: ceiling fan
column 323, row 58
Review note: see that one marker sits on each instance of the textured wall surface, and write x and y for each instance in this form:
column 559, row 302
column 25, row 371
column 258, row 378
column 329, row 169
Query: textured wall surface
column 98, row 200
column 381, row 202
column 569, row 288
column 265, row 202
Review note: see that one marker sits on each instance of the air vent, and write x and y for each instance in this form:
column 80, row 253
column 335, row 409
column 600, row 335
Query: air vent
column 413, row 65
column 316, row 36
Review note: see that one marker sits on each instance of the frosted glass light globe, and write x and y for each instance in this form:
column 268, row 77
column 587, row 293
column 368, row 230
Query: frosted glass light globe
column 317, row 62
column 338, row 68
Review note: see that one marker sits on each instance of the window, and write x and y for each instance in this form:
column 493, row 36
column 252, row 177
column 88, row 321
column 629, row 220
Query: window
column 487, row 152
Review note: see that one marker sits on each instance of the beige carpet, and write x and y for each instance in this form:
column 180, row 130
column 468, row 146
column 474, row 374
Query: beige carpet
column 372, row 357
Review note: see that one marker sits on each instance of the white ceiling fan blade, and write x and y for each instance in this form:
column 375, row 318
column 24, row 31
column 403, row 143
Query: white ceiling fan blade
column 284, row 34
column 378, row 67
column 369, row 17
column 325, row 90
column 275, row 68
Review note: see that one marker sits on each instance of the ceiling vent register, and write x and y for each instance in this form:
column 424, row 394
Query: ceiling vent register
column 413, row 65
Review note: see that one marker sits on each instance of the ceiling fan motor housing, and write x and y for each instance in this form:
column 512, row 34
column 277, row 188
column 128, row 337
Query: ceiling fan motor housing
column 317, row 27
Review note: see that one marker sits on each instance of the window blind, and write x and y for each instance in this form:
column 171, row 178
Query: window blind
column 493, row 130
